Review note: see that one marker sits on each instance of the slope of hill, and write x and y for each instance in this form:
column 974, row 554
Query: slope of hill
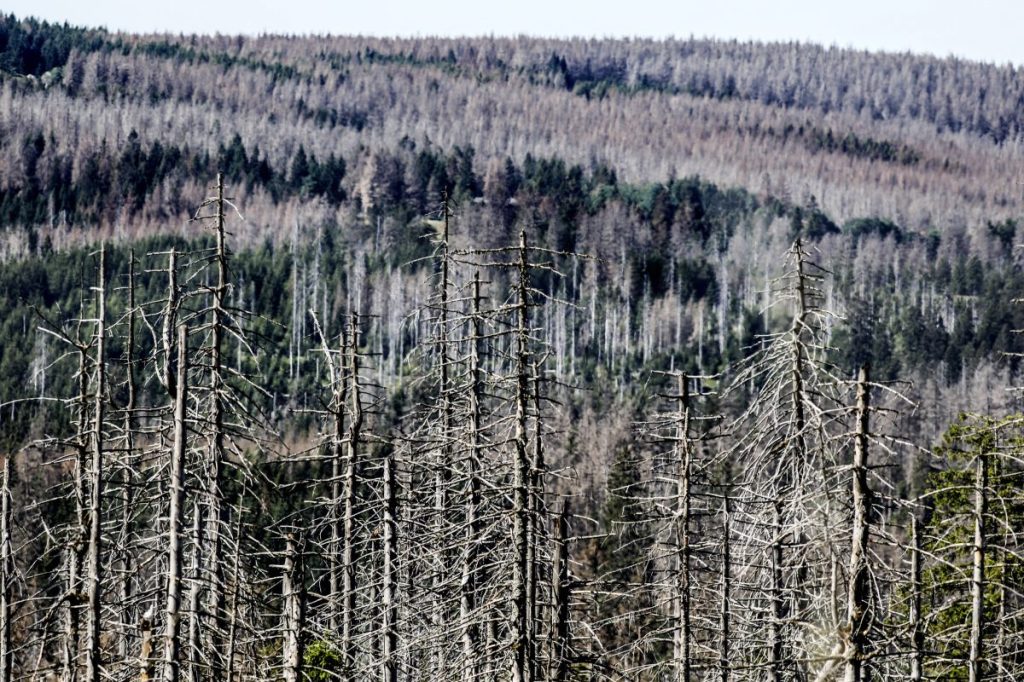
column 445, row 373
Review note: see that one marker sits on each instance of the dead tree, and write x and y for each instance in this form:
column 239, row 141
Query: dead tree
column 175, row 517
column 95, row 576
column 349, row 538
column 858, row 601
column 6, row 574
column 978, row 585
column 293, row 595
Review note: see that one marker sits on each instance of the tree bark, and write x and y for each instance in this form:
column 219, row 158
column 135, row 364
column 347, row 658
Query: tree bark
column 6, row 566
column 294, row 612
column 858, row 601
column 175, row 517
column 215, row 603
column 93, row 662
column 976, row 662
column 348, row 587
column 522, row 664
column 916, row 629
column 681, row 634
column 389, row 659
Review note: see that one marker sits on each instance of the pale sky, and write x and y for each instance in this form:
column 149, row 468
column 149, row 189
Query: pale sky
column 987, row 30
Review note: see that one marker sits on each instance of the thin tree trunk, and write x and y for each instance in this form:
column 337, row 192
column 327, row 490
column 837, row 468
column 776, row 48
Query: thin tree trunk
column 470, row 633
column 444, row 453
column 195, row 588
column 916, row 630
column 390, row 578
column 976, row 662
column 560, row 591
column 777, row 597
column 215, row 464
column 72, row 631
column 6, row 565
column 338, row 483
column 93, row 663
column 348, row 540
column 536, row 509
column 294, row 608
column 522, row 664
column 858, row 605
column 127, row 473
column 681, row 635
column 724, row 664
column 175, row 517
column 229, row 672
column 146, row 648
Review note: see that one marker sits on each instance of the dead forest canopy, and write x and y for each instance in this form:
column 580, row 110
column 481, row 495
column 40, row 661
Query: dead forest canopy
column 566, row 359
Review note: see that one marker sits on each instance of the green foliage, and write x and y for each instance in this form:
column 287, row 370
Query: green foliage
column 321, row 661
column 30, row 47
column 949, row 535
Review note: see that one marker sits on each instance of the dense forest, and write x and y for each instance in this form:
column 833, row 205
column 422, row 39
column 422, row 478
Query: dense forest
column 337, row 358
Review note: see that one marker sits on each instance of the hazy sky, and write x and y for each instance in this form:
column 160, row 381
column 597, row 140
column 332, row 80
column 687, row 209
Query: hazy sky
column 989, row 30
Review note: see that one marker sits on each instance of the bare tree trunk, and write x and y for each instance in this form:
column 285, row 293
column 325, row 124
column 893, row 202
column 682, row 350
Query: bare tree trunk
column 93, row 663
column 229, row 665
column 777, row 597
column 536, row 509
column 195, row 571
column 390, row 579
column 916, row 630
column 6, row 566
column 444, row 454
column 560, row 591
column 72, row 630
column 294, row 611
column 175, row 517
column 348, row 589
column 858, row 602
column 215, row 464
column 470, row 633
column 146, row 648
column 522, row 610
column 681, row 634
column 976, row 663
column 724, row 664
column 337, row 483
column 127, row 473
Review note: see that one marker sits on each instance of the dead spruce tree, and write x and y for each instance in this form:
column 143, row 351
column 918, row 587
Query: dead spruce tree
column 675, row 495
column 786, row 440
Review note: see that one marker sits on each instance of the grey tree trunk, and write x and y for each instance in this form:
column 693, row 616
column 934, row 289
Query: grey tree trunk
column 340, row 381
column 94, row 588
column 522, row 664
column 146, row 662
column 128, row 470
column 389, row 596
column 348, row 589
column 176, row 516
column 976, row 662
column 294, row 612
column 467, row 605
column 858, row 601
column 724, row 663
column 215, row 464
column 6, row 570
column 560, row 590
column 681, row 634
column 916, row 629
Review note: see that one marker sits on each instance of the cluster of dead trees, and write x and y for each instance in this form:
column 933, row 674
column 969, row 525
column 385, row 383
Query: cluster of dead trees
column 425, row 532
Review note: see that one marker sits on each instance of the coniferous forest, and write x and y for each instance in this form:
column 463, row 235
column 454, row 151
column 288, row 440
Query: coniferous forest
column 343, row 358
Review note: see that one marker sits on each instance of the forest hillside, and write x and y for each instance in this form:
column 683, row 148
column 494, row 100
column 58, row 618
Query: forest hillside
column 341, row 358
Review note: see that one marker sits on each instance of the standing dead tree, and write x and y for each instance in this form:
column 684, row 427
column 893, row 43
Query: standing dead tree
column 673, row 498
column 787, row 441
